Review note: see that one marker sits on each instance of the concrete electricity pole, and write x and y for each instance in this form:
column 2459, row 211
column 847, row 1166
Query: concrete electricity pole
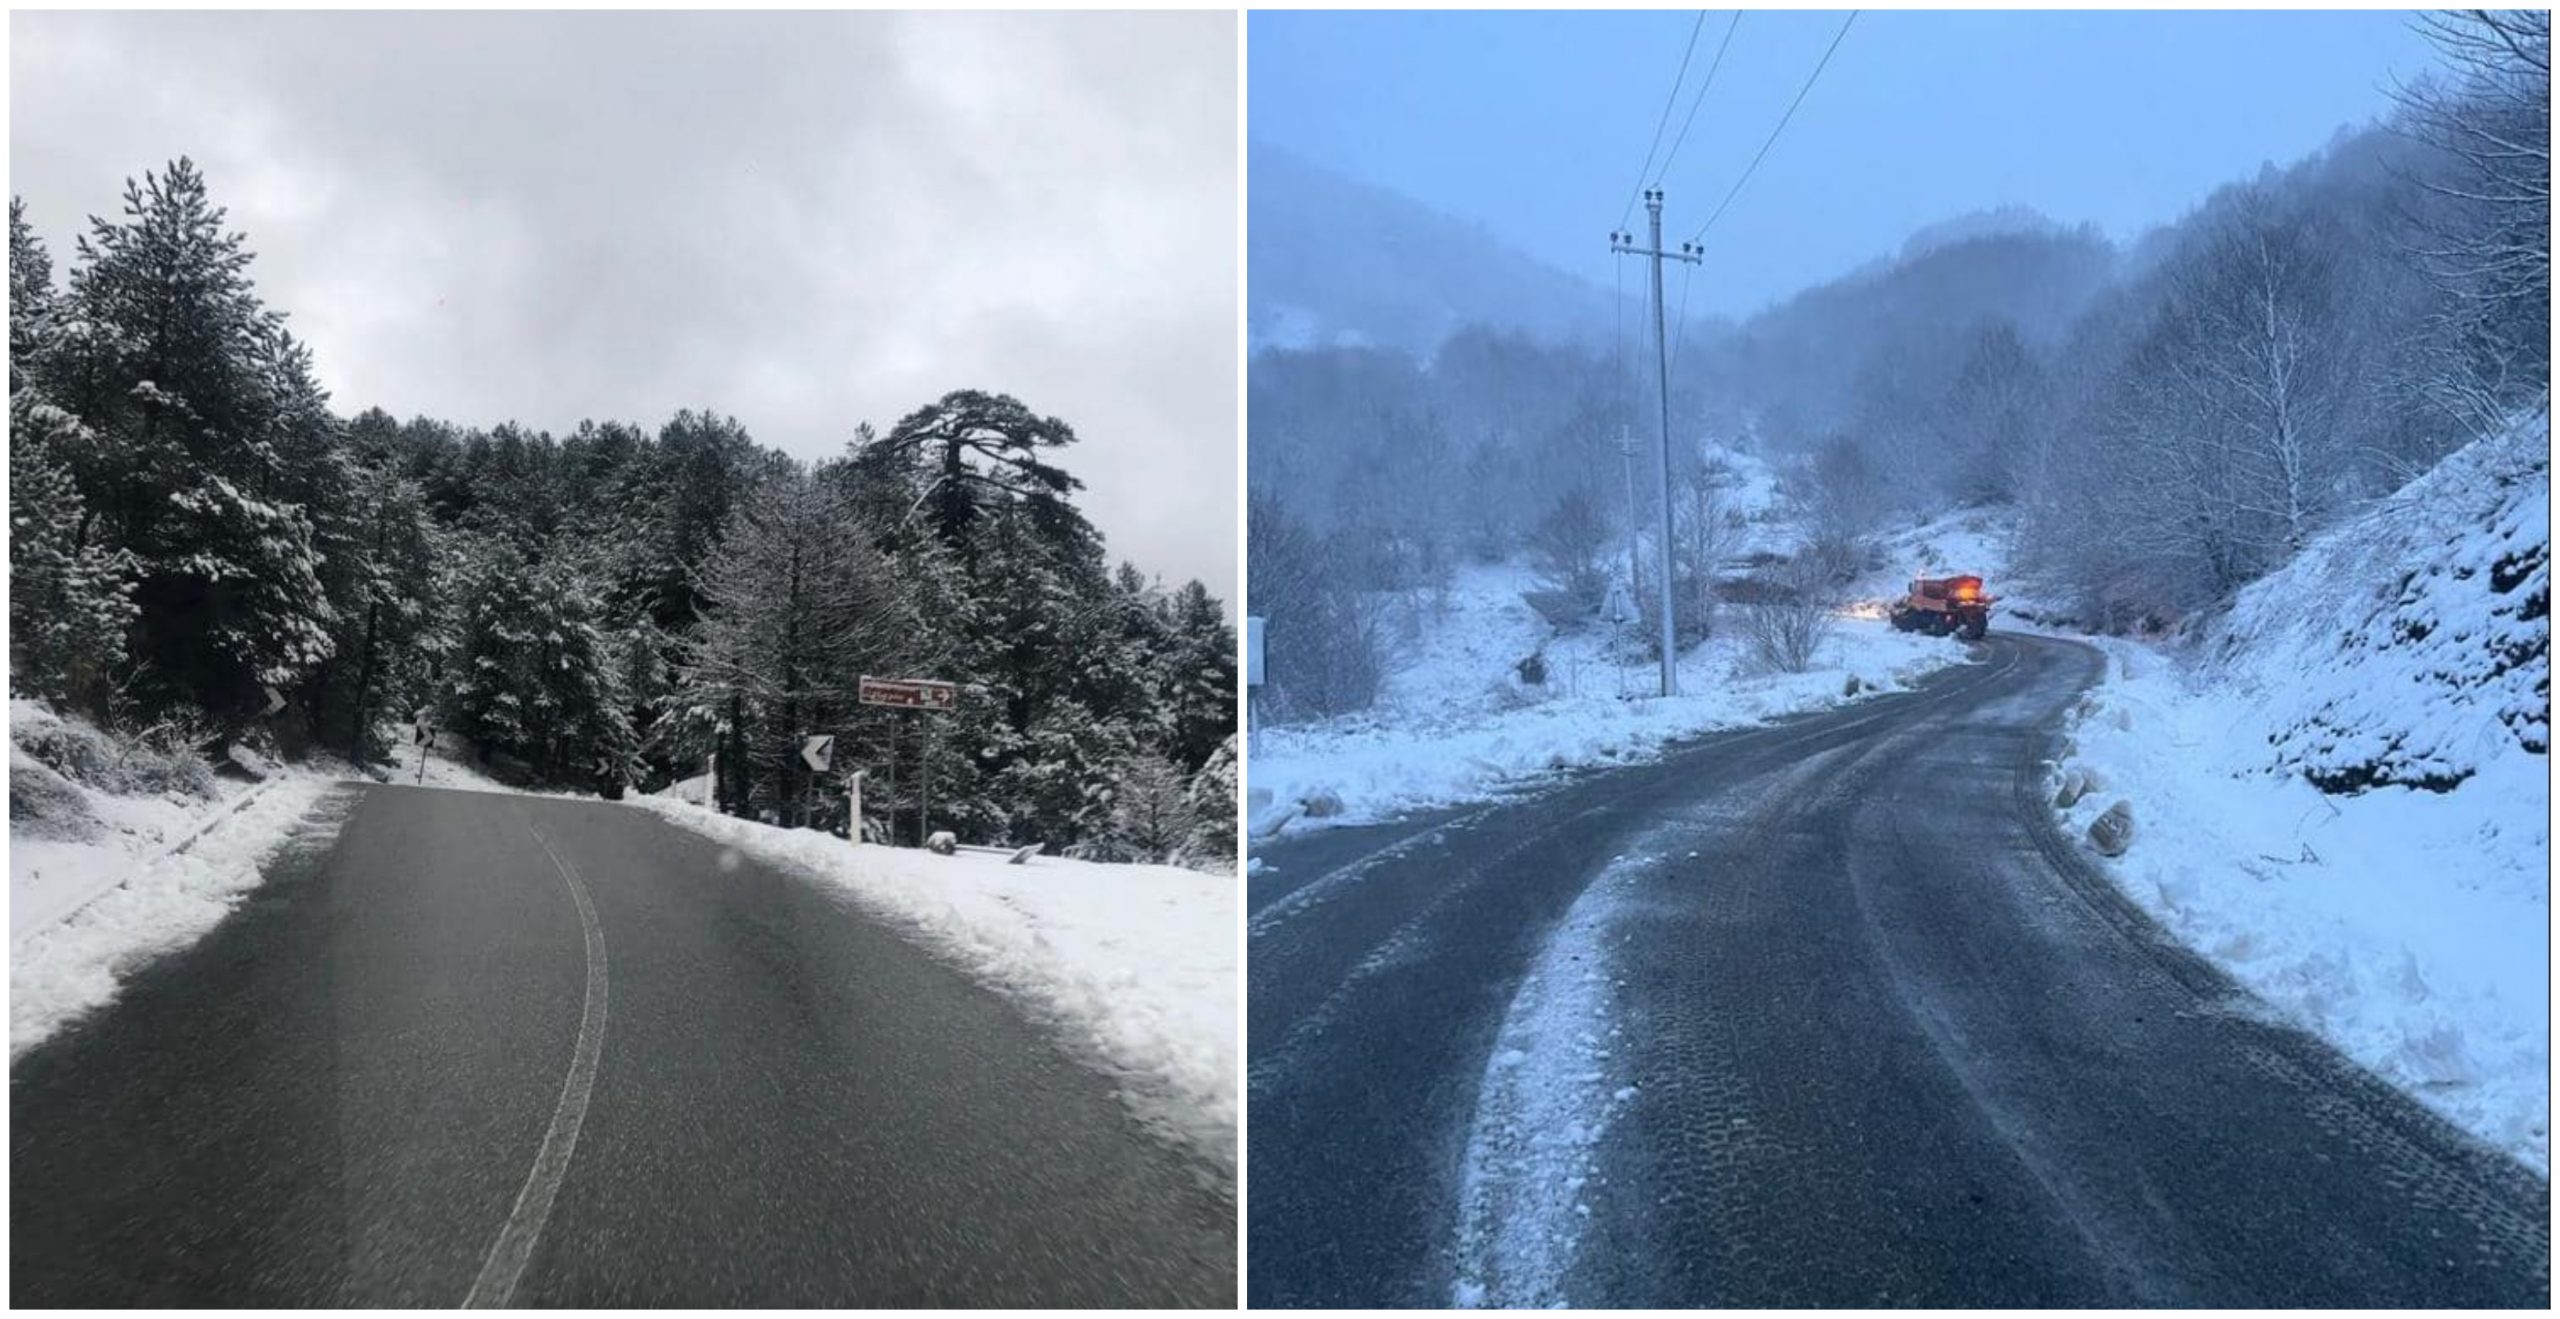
column 1627, row 468
column 1689, row 252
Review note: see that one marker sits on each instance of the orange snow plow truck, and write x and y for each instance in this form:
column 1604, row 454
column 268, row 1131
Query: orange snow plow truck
column 1943, row 605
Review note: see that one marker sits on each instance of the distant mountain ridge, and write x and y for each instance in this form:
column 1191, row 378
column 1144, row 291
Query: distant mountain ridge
column 1335, row 262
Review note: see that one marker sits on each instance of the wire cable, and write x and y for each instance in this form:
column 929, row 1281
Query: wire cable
column 1665, row 121
column 1700, row 99
column 1618, row 269
column 1749, row 169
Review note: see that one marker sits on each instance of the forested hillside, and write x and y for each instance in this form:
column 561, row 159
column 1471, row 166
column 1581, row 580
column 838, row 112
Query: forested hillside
column 194, row 528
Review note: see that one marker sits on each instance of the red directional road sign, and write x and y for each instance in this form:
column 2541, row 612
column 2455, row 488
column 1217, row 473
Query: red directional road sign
column 912, row 693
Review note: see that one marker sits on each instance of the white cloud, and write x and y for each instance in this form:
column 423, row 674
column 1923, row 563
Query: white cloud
column 805, row 220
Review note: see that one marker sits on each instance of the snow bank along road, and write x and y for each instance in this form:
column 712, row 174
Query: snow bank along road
column 1823, row 1013
column 522, row 1050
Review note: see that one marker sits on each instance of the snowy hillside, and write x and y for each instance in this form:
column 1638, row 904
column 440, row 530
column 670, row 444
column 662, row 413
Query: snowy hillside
column 1458, row 722
column 2434, row 613
column 2342, row 789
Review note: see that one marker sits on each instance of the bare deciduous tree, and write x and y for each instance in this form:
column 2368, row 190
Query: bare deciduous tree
column 1706, row 532
column 1786, row 628
column 2487, row 240
column 1570, row 542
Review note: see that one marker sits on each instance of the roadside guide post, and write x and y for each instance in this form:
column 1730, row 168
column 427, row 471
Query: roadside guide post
column 853, row 807
column 817, row 751
column 1252, row 665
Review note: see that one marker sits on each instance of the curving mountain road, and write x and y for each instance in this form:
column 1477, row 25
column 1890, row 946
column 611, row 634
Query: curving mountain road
column 499, row 1050
column 1824, row 1013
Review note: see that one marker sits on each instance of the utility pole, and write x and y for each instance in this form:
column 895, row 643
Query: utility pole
column 1689, row 252
column 1627, row 468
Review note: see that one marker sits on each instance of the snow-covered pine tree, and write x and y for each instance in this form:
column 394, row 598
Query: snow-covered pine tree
column 1151, row 812
column 1064, row 689
column 969, row 451
column 381, row 574
column 1212, row 845
column 1196, row 678
column 70, row 598
column 33, row 335
column 189, row 386
column 701, row 467
column 534, row 677
column 1061, row 781
column 797, row 602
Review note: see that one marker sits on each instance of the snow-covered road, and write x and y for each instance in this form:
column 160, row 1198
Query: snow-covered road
column 1876, row 1034
column 598, row 1059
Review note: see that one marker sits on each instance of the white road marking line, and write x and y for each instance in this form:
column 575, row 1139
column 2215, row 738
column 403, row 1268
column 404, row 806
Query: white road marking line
column 496, row 1285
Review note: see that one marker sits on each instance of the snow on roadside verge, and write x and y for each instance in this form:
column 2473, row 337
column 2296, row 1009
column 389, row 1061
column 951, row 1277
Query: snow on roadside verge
column 2410, row 929
column 2402, row 661
column 1139, row 961
column 133, row 900
column 1415, row 757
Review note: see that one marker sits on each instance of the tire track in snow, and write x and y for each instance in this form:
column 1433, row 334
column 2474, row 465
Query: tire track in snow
column 1548, row 1095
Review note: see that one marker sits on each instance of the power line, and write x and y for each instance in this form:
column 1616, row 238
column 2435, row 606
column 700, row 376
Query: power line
column 1748, row 170
column 1701, row 99
column 1618, row 273
column 1665, row 121
column 1680, row 335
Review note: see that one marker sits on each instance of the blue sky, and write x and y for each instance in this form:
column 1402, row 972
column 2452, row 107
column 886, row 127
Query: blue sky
column 1534, row 124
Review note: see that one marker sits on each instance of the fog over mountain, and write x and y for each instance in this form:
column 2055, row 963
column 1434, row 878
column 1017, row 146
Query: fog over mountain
column 1333, row 261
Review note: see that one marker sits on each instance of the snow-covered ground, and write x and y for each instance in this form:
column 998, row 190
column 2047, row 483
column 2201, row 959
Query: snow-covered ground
column 444, row 770
column 1139, row 961
column 1550, row 1092
column 1456, row 722
column 2408, row 926
column 100, row 881
column 141, row 854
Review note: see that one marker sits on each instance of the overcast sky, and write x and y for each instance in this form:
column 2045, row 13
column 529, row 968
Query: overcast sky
column 803, row 220
column 1536, row 124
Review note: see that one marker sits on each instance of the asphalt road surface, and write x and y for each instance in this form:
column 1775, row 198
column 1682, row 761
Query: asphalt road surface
column 486, row 1049
column 1825, row 1013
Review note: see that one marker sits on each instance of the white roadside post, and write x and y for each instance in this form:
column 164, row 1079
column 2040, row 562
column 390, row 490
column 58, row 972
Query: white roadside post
column 1252, row 665
column 853, row 807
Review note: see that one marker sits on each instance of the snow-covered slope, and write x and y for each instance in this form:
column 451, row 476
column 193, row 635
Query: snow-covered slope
column 1457, row 722
column 2342, row 790
column 118, row 853
column 2412, row 645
